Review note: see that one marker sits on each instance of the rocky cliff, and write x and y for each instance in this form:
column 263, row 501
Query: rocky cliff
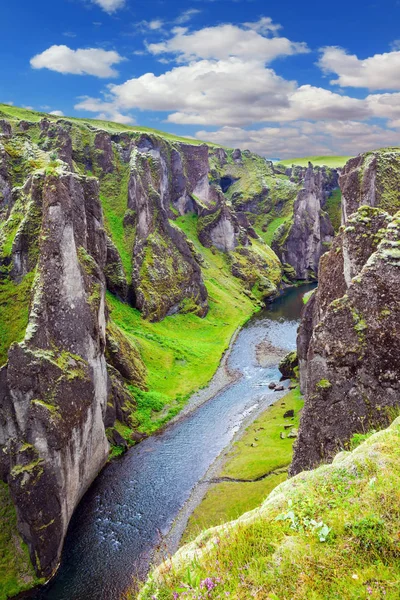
column 302, row 241
column 348, row 343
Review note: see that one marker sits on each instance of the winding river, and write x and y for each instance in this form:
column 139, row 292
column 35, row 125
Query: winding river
column 130, row 508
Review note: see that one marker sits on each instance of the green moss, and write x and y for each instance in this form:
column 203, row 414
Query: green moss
column 87, row 261
column 307, row 296
column 333, row 207
column 16, row 571
column 323, row 384
column 14, row 312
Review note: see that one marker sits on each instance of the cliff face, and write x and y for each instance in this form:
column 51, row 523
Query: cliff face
column 371, row 179
column 348, row 342
column 54, row 388
column 301, row 242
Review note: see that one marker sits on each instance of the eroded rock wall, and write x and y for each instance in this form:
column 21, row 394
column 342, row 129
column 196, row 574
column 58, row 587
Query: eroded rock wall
column 348, row 343
column 302, row 241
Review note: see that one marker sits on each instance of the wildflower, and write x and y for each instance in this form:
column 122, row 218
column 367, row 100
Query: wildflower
column 208, row 583
column 175, row 595
column 369, row 590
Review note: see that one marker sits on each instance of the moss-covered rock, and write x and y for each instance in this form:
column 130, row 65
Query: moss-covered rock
column 349, row 338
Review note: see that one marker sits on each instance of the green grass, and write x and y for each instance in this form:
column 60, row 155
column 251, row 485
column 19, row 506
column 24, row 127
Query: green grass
column 268, row 235
column 16, row 571
column 14, row 312
column 228, row 500
column 333, row 207
column 327, row 534
column 328, row 161
column 183, row 351
column 113, row 198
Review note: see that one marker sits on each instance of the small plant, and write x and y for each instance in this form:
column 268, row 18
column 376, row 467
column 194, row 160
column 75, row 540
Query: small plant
column 324, row 384
column 304, row 524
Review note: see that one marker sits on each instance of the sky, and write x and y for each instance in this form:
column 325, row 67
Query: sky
column 284, row 79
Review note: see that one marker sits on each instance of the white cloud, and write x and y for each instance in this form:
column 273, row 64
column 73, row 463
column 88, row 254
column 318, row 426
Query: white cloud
column 232, row 92
column 304, row 138
column 90, row 61
column 106, row 111
column 208, row 92
column 57, row 113
column 224, row 41
column 378, row 72
column 154, row 25
column 110, row 6
column 264, row 25
column 186, row 16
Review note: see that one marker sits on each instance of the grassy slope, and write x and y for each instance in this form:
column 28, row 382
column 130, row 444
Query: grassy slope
column 327, row 534
column 16, row 571
column 14, row 112
column 182, row 352
column 328, row 161
column 228, row 500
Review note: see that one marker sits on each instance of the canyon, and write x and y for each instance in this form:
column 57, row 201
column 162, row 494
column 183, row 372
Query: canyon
column 123, row 249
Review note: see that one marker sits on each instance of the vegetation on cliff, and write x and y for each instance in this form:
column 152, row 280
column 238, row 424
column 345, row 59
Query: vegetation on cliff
column 327, row 533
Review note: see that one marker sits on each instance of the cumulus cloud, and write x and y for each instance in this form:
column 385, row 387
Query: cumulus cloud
column 304, row 138
column 105, row 111
column 57, row 113
column 232, row 92
column 90, row 61
column 110, row 6
column 378, row 72
column 248, row 41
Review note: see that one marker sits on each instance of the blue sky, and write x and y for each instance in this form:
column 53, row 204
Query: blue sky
column 283, row 79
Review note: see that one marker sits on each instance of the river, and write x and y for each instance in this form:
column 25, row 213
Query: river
column 131, row 506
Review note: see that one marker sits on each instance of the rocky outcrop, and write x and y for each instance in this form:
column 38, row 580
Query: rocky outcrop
column 165, row 273
column 302, row 241
column 371, row 179
column 54, row 388
column 348, row 342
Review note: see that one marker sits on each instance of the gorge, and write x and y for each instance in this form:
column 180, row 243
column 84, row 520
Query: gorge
column 128, row 258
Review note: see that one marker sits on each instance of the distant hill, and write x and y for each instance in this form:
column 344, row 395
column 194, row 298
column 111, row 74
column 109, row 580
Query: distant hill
column 334, row 162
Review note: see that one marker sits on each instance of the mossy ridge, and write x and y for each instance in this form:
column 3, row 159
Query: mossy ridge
column 327, row 533
column 16, row 571
column 16, row 113
column 260, row 452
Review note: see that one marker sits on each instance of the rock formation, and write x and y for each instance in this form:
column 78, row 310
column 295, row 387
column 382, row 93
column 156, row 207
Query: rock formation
column 348, row 343
column 302, row 241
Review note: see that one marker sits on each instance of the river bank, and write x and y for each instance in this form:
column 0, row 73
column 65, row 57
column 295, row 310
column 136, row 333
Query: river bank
column 255, row 463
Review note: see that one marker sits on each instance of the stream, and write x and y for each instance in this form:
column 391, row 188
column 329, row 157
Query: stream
column 131, row 506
